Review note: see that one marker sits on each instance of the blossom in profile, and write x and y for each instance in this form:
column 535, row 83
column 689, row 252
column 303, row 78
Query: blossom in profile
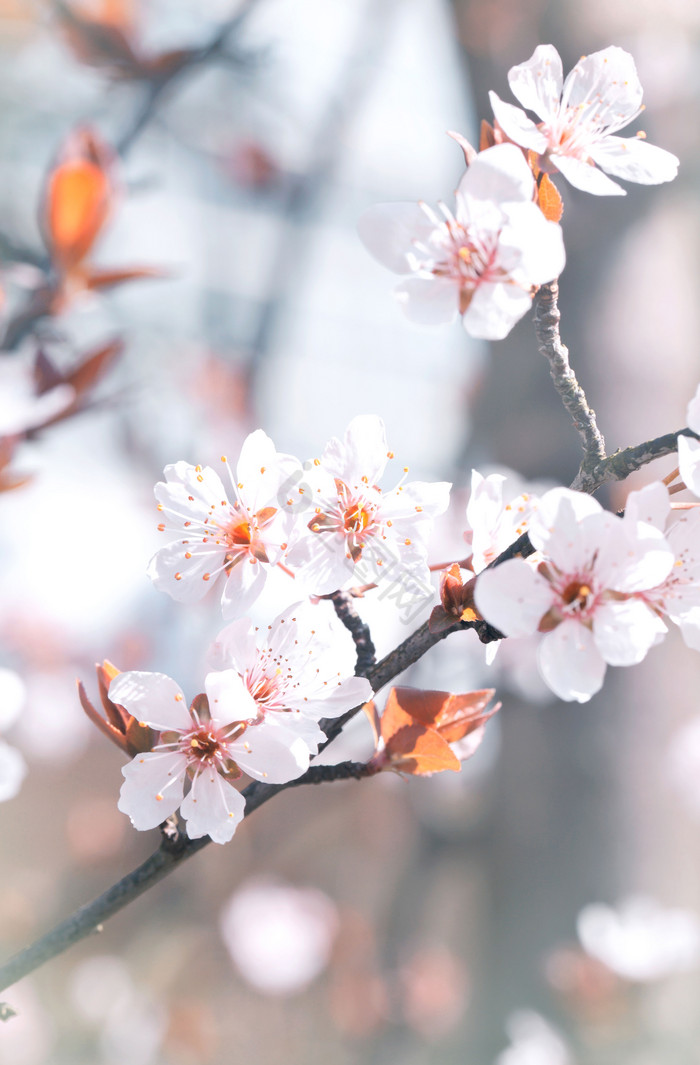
column 579, row 120
column 482, row 261
column 640, row 940
column 204, row 747
column 583, row 594
column 689, row 449
column 496, row 517
column 353, row 529
column 228, row 535
column 295, row 671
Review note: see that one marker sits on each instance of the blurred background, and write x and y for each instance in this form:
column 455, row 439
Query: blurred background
column 421, row 921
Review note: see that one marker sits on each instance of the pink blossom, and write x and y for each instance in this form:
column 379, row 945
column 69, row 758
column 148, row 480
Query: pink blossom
column 205, row 746
column 295, row 671
column 583, row 595
column 353, row 529
column 235, row 534
column 601, row 95
column 481, row 262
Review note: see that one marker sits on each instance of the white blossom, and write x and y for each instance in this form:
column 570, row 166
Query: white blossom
column 353, row 529
column 533, row 1042
column 579, row 118
column 582, row 596
column 640, row 940
column 496, row 517
column 483, row 260
column 235, row 534
column 689, row 449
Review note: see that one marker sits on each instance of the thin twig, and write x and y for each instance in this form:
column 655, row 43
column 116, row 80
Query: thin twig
column 620, row 465
column 358, row 629
column 573, row 397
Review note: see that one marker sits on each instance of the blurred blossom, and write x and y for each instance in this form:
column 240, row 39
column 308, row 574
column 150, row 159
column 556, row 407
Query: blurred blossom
column 53, row 725
column 435, row 986
column 26, row 1038
column 13, row 770
column 12, row 765
column 100, row 984
column 533, row 1042
column 279, row 936
column 641, row 940
column 683, row 763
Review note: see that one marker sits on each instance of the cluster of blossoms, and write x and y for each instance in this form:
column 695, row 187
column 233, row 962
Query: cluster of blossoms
column 326, row 523
column 599, row 585
column 485, row 259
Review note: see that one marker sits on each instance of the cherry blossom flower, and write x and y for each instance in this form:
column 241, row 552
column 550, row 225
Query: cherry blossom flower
column 583, row 595
column 640, row 940
column 296, row 670
column 495, row 522
column 481, row 262
column 678, row 596
column 580, row 116
column 355, row 530
column 236, row 534
column 689, row 449
column 208, row 746
column 533, row 1042
column 13, row 768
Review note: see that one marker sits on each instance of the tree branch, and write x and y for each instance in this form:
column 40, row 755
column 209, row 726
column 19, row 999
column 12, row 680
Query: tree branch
column 366, row 655
column 620, row 465
column 573, row 397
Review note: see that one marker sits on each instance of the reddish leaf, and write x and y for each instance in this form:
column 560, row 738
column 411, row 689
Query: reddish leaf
column 78, row 199
column 549, row 199
column 96, row 279
column 86, row 375
column 409, row 745
column 487, row 136
column 370, row 710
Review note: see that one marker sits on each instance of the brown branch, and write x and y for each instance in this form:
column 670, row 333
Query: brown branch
column 620, row 465
column 573, row 397
column 358, row 629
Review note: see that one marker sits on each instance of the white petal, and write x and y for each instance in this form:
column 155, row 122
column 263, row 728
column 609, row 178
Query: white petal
column 650, row 504
column 320, row 563
column 389, row 231
column 635, row 160
column 244, row 584
column 212, row 807
column 338, row 697
column 606, row 83
column 13, row 770
column 234, row 647
column 272, row 751
column 261, row 471
column 516, row 125
column 586, row 177
column 498, row 175
column 428, row 300
column 570, row 663
column 624, row 632
column 153, row 698
column 494, row 310
column 190, row 585
column 362, row 453
column 183, row 480
column 229, row 698
column 152, row 788
column 538, row 82
column 690, row 628
column 638, row 559
column 13, row 694
column 513, row 597
column 531, row 249
column 418, row 500
column 693, row 412
column 689, row 462
column 559, row 514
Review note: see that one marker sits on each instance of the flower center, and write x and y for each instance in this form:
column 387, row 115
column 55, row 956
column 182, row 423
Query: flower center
column 577, row 595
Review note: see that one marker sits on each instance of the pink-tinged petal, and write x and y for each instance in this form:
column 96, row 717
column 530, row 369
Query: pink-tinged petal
column 418, row 500
column 624, row 632
column 271, row 751
column 689, row 462
column 13, row 770
column 693, row 412
column 586, row 177
column 389, row 231
column 498, row 175
column 338, row 696
column 320, row 563
column 635, row 160
column 537, row 83
column 153, row 698
column 494, row 310
column 517, row 126
column 152, row 788
column 244, row 584
column 531, row 248
column 229, row 698
column 650, row 504
column 513, row 597
column 607, row 83
column 428, row 300
column 570, row 662
column 234, row 647
column 212, row 807
column 361, row 454
column 182, row 578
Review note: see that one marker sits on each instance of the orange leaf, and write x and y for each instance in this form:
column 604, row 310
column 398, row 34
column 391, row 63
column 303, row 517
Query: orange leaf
column 78, row 198
column 95, row 279
column 420, row 751
column 487, row 137
column 370, row 711
column 549, row 199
